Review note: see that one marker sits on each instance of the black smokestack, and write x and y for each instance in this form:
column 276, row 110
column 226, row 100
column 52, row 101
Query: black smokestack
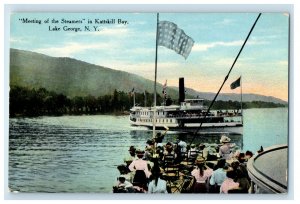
column 181, row 90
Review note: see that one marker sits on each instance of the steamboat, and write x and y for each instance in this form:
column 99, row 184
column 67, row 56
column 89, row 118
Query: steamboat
column 188, row 116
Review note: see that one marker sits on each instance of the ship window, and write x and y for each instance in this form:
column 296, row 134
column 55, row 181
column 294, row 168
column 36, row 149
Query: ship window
column 171, row 120
column 166, row 120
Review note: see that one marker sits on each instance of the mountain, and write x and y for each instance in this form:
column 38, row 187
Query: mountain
column 77, row 78
column 72, row 77
column 235, row 97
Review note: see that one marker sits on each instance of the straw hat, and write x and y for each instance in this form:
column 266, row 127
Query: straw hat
column 225, row 139
column 200, row 160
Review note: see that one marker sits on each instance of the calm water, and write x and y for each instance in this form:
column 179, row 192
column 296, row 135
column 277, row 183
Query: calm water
column 80, row 153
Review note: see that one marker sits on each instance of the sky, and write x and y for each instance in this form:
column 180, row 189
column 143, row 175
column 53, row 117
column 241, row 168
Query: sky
column 130, row 46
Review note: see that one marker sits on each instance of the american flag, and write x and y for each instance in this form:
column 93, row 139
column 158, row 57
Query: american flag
column 174, row 38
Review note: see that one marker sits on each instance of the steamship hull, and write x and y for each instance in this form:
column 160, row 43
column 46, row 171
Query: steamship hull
column 195, row 127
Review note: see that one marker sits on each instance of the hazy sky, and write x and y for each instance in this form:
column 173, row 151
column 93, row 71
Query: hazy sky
column 130, row 47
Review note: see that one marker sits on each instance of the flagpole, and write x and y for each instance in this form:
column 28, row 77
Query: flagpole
column 155, row 77
column 133, row 99
column 241, row 98
column 145, row 100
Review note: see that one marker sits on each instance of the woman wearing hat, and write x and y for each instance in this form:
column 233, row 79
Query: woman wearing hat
column 201, row 174
column 157, row 185
column 142, row 172
column 229, row 183
column 225, row 149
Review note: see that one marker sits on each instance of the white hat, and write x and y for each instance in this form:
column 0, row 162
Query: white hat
column 224, row 139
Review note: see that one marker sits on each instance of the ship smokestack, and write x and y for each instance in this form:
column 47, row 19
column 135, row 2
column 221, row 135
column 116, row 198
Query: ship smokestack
column 181, row 90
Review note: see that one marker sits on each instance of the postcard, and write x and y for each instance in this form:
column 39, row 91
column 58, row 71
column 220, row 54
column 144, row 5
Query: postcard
column 173, row 103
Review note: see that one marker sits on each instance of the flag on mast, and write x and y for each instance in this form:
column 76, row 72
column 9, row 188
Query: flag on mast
column 132, row 92
column 174, row 38
column 164, row 89
column 236, row 83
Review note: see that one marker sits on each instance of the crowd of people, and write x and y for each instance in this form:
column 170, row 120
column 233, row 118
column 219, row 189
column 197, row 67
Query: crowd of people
column 209, row 170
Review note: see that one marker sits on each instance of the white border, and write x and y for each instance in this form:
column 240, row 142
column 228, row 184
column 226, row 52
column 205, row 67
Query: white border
column 148, row 6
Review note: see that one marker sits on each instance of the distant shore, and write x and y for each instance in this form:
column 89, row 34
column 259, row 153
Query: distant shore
column 26, row 102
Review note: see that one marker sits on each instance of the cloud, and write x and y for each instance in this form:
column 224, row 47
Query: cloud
column 225, row 22
column 19, row 40
column 205, row 46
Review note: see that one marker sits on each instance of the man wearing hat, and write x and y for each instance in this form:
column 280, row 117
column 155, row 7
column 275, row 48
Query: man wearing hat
column 132, row 156
column 225, row 149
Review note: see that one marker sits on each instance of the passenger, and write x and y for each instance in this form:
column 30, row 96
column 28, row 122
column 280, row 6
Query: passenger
column 218, row 176
column 159, row 153
column 157, row 185
column 202, row 174
column 169, row 153
column 243, row 181
column 234, row 165
column 182, row 144
column 123, row 186
column 168, row 148
column 225, row 150
column 192, row 153
column 248, row 155
column 229, row 183
column 140, row 167
column 159, row 137
column 132, row 156
column 158, row 141
column 148, row 155
column 150, row 143
column 203, row 150
column 124, row 172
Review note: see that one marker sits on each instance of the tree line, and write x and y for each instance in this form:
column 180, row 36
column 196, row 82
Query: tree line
column 231, row 105
column 38, row 102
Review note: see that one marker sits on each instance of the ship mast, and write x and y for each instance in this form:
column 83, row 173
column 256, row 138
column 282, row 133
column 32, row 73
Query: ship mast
column 241, row 99
column 155, row 77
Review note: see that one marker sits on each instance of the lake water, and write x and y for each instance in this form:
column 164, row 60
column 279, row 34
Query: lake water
column 80, row 153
